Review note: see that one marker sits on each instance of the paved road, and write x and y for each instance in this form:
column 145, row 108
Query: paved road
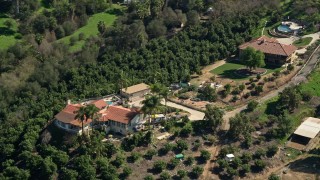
column 194, row 114
column 300, row 77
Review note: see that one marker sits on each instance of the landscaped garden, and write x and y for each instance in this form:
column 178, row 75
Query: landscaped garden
column 302, row 42
column 229, row 69
column 8, row 32
column 91, row 29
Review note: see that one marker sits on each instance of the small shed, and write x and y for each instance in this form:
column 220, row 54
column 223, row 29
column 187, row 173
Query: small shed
column 229, row 157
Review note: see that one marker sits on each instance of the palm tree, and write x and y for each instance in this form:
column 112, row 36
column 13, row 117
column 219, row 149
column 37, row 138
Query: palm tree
column 165, row 94
column 81, row 115
column 150, row 105
column 91, row 111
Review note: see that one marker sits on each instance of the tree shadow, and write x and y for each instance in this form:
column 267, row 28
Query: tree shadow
column 116, row 12
column 6, row 31
column 271, row 108
column 232, row 75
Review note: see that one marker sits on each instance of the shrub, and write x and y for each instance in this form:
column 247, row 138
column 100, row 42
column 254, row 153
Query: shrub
column 148, row 177
column 290, row 67
column 173, row 163
column 182, row 173
column 184, row 96
column 59, row 31
column 186, row 130
column 232, row 172
column 165, row 176
column 234, row 98
column 252, row 105
column 189, row 161
column 251, row 80
column 273, row 177
column 182, row 145
column 258, row 76
column 73, row 40
column 205, row 155
column 211, row 139
column 236, row 162
column 119, row 160
column 259, row 164
column 246, row 168
column 69, row 27
column 259, row 89
column 135, row 156
column 159, row 166
column 81, row 36
column 259, row 153
column 150, row 153
column 196, row 145
column 306, row 96
column 222, row 163
column 246, row 157
column 126, row 172
column 276, row 73
column 272, row 150
column 196, row 171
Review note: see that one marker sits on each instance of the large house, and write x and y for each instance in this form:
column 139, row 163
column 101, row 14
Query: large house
column 136, row 92
column 112, row 118
column 275, row 52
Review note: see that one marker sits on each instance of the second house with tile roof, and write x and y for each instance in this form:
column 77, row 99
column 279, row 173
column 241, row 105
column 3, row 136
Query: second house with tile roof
column 275, row 52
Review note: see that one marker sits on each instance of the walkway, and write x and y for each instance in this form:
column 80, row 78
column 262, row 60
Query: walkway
column 194, row 114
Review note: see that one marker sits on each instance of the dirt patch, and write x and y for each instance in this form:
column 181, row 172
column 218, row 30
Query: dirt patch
column 206, row 74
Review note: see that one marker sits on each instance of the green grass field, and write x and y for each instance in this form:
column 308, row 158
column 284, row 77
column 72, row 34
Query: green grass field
column 313, row 85
column 227, row 70
column 7, row 36
column 302, row 42
column 91, row 28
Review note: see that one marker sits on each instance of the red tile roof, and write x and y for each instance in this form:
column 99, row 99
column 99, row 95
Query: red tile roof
column 269, row 46
column 68, row 114
column 120, row 114
column 99, row 103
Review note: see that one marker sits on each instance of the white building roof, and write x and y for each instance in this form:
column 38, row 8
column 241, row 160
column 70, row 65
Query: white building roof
column 309, row 128
column 230, row 156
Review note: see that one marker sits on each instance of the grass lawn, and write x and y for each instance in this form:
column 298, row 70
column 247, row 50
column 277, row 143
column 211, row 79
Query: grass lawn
column 313, row 85
column 302, row 42
column 227, row 70
column 91, row 28
column 7, row 36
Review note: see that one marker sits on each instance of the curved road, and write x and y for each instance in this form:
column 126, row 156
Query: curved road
column 300, row 77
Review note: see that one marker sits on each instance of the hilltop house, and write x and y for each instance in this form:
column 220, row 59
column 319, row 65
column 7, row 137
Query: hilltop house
column 112, row 118
column 275, row 52
column 136, row 92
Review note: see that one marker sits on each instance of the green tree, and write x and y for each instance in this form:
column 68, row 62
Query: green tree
column 197, row 171
column 159, row 166
column 252, row 105
column 252, row 58
column 214, row 116
column 68, row 174
column 165, row 176
column 240, row 126
column 101, row 27
column 274, row 177
column 289, row 99
column 205, row 155
column 182, row 173
column 126, row 172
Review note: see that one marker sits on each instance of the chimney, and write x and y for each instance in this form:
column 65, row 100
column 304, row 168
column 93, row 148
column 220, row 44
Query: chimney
column 68, row 101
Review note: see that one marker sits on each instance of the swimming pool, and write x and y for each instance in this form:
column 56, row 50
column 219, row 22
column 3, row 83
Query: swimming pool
column 284, row 28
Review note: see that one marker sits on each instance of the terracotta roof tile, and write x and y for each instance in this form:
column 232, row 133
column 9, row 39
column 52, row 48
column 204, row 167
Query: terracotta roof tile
column 270, row 46
column 68, row 114
column 120, row 114
column 99, row 103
